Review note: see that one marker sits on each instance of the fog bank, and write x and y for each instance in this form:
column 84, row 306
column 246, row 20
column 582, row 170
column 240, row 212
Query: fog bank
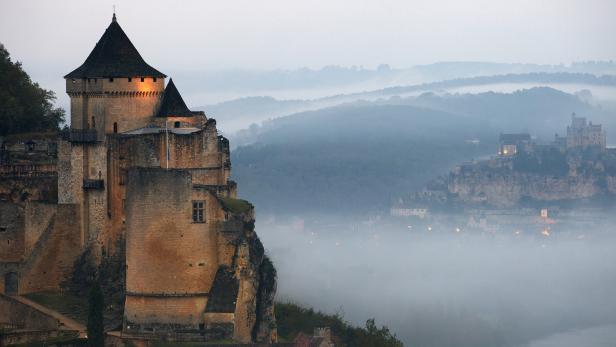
column 443, row 288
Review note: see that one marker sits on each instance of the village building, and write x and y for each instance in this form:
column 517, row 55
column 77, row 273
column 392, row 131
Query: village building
column 510, row 144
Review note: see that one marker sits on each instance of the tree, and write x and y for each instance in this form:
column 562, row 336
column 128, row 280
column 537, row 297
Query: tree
column 96, row 335
column 24, row 105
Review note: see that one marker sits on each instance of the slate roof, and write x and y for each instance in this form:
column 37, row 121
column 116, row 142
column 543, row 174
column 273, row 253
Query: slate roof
column 114, row 56
column 155, row 130
column 172, row 104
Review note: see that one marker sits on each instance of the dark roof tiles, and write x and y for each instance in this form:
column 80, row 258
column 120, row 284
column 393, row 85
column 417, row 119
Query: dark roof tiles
column 172, row 104
column 114, row 56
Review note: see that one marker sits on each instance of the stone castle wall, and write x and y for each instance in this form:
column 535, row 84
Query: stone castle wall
column 12, row 241
column 110, row 102
column 167, row 255
column 52, row 259
column 24, row 317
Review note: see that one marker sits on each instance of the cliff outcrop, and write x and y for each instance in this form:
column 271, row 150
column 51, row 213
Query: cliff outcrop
column 539, row 177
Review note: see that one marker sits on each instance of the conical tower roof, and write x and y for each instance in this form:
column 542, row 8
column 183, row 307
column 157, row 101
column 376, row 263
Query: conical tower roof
column 172, row 104
column 114, row 56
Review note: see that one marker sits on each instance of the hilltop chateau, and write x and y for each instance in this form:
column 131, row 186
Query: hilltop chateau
column 578, row 167
column 140, row 175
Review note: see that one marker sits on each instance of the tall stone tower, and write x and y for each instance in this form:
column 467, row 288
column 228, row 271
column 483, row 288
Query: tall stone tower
column 140, row 169
column 113, row 91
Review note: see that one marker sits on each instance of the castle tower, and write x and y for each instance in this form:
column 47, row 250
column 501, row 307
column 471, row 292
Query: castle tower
column 113, row 91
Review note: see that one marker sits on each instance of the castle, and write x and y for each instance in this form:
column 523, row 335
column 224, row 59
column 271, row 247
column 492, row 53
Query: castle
column 139, row 172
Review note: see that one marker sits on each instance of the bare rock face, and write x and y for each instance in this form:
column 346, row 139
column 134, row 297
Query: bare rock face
column 508, row 189
column 256, row 285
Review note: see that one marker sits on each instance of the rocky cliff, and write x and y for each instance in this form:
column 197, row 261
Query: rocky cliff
column 548, row 176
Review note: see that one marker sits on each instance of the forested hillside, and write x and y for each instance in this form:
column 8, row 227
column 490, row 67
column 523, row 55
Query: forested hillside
column 24, row 105
column 358, row 157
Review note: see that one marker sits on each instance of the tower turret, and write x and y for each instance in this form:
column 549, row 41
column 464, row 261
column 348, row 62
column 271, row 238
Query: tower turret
column 114, row 90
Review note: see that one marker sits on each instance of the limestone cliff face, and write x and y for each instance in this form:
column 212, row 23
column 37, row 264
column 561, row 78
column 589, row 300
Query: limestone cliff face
column 506, row 189
column 255, row 276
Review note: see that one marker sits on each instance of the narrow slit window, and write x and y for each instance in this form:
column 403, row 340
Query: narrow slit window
column 198, row 212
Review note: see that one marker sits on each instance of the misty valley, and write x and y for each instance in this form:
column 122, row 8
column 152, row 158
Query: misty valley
column 267, row 189
column 407, row 210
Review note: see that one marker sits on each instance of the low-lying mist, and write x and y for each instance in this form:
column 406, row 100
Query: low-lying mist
column 448, row 288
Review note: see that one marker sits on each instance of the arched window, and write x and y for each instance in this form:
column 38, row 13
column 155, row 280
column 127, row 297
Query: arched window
column 115, row 127
column 176, row 124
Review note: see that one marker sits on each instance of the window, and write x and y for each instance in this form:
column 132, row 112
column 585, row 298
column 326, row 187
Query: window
column 115, row 127
column 198, row 215
column 176, row 124
column 130, row 79
column 110, row 79
column 154, row 79
column 93, row 122
column 142, row 79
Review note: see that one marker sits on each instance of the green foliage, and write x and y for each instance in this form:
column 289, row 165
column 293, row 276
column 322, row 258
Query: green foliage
column 24, row 105
column 96, row 334
column 293, row 319
column 551, row 162
column 235, row 205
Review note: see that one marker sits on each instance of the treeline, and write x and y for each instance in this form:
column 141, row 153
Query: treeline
column 353, row 159
column 293, row 319
column 24, row 105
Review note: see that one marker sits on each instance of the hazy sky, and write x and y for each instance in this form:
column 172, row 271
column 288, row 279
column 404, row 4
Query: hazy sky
column 56, row 36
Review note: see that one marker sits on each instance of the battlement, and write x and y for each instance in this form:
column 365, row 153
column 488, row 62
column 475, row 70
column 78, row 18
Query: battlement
column 127, row 86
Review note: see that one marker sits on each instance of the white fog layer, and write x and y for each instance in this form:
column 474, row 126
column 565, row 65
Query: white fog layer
column 442, row 288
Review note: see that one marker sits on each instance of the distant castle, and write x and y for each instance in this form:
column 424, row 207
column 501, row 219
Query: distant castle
column 139, row 169
column 580, row 134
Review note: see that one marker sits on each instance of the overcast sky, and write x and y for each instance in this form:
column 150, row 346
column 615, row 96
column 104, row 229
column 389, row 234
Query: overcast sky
column 290, row 34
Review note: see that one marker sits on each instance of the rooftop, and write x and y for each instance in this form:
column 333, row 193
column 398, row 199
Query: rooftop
column 114, row 56
column 156, row 130
column 172, row 104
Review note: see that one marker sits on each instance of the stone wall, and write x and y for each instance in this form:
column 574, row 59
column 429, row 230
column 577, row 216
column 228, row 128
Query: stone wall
column 52, row 258
column 186, row 276
column 110, row 101
column 23, row 316
column 12, row 236
column 20, row 189
column 167, row 255
column 38, row 215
